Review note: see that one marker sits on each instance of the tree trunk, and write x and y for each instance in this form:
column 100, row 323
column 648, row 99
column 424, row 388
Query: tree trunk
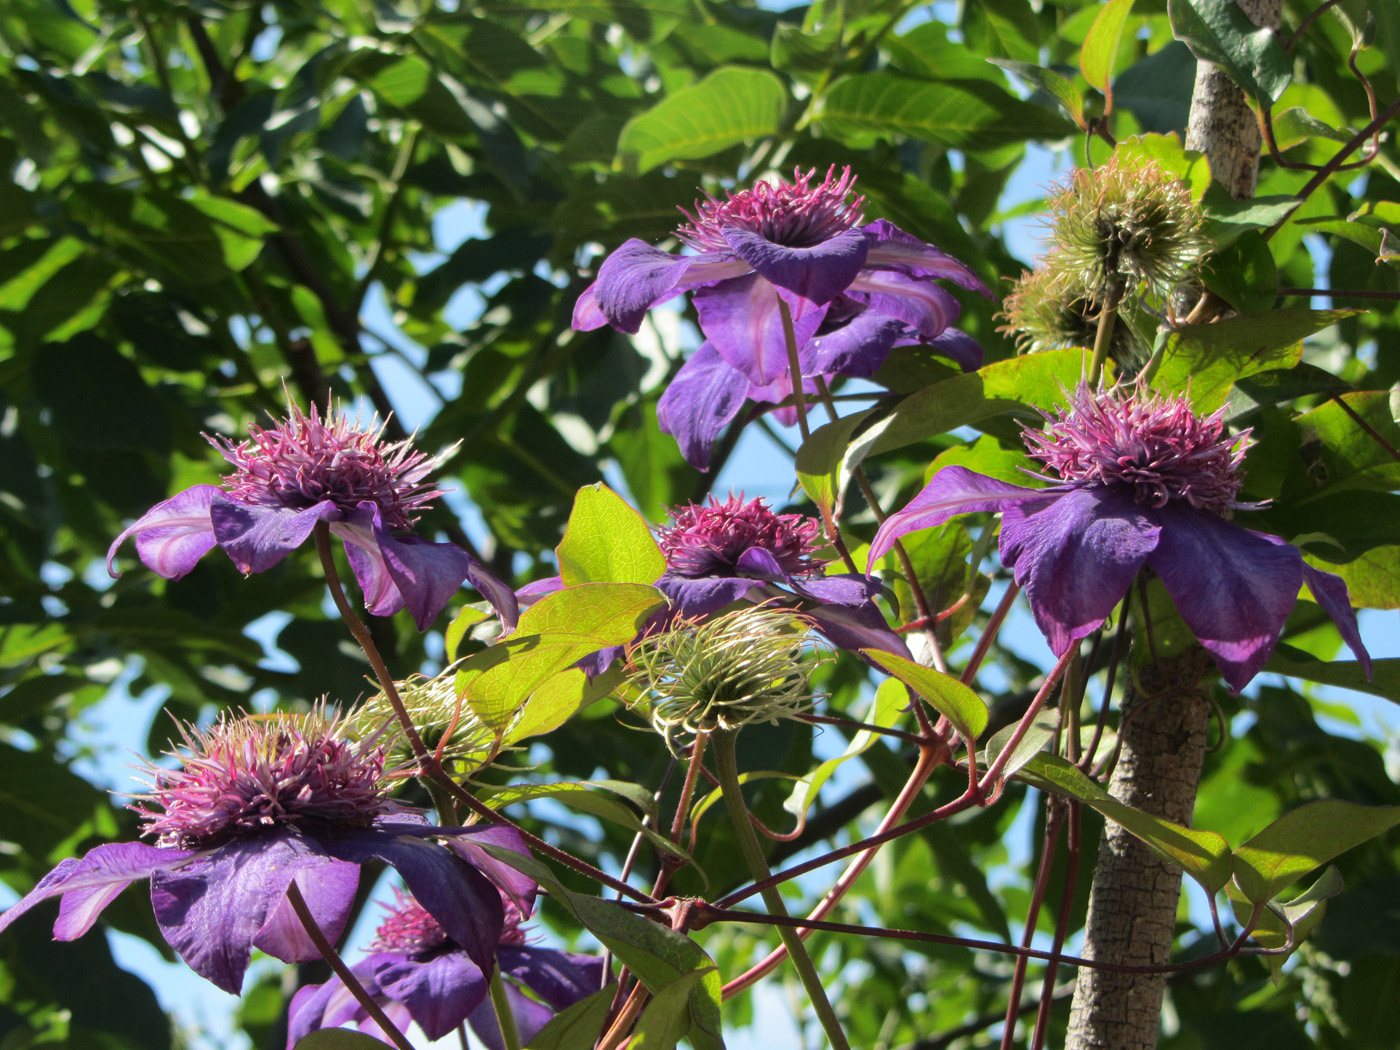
column 1133, row 901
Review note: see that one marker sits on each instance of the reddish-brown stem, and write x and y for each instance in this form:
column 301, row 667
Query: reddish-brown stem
column 1370, row 431
column 851, row 723
column 1340, row 293
column 993, row 773
column 989, row 634
column 346, row 975
column 1049, row 847
column 1047, row 988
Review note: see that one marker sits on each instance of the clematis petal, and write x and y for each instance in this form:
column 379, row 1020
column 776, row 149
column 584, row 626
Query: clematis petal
column 637, row 277
column 960, row 348
column 700, row 596
column 325, row 889
column 90, row 883
column 172, row 535
column 1233, row 587
column 818, row 273
column 924, row 306
column 857, row 348
column 742, row 321
column 256, row 537
column 1077, row 557
column 439, row 992
column 700, row 401
column 559, row 978
column 840, row 607
column 464, row 903
column 468, row 842
column 892, row 248
column 211, row 910
column 952, row 491
column 1330, row 591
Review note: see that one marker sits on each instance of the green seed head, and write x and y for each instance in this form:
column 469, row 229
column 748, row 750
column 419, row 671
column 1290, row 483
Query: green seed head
column 441, row 718
column 748, row 666
column 1042, row 314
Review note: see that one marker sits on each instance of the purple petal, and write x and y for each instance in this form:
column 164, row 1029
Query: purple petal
column 703, row 595
column 841, row 609
column 587, row 314
column 742, row 321
column 257, row 538
column 952, row 491
column 1077, row 557
column 465, row 904
column 173, row 535
column 212, row 909
column 1330, row 592
column 960, row 348
column 857, row 348
column 817, row 274
column 1233, row 587
column 918, row 302
column 325, row 890
column 760, row 563
column 892, row 248
column 439, row 992
column 559, row 978
column 637, row 277
column 467, row 843
column 90, row 883
column 700, row 401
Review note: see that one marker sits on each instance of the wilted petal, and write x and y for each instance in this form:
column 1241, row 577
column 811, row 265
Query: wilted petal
column 700, row 402
column 742, row 320
column 256, row 537
column 1233, row 587
column 211, row 910
column 325, row 889
column 817, row 274
column 90, row 883
column 1330, row 592
column 172, row 535
column 952, row 491
column 924, row 306
column 439, row 992
column 892, row 248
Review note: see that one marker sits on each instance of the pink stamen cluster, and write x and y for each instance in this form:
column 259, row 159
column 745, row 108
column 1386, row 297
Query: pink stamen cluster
column 795, row 214
column 709, row 539
column 1155, row 444
column 303, row 460
column 244, row 775
column 409, row 929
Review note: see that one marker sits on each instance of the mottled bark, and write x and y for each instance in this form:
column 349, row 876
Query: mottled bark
column 1132, row 906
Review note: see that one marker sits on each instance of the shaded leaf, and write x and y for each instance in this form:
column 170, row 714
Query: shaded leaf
column 1303, row 839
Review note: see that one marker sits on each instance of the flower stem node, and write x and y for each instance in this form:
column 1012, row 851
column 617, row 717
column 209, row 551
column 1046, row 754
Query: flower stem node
column 752, row 665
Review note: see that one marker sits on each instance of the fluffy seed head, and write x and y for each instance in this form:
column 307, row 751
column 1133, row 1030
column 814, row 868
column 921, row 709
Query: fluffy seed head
column 444, row 722
column 1042, row 315
column 1120, row 225
column 748, row 666
column 249, row 773
column 1155, row 444
column 705, row 540
column 304, row 460
column 795, row 214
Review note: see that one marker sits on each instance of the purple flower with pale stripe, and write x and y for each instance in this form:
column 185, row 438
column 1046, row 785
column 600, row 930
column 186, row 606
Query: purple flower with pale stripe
column 261, row 802
column 418, row 974
column 303, row 471
column 852, row 291
column 1140, row 481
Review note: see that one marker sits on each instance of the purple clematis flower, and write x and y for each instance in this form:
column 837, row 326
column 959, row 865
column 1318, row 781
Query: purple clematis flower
column 304, row 471
column 1142, row 481
column 418, row 974
column 769, row 256
column 261, row 802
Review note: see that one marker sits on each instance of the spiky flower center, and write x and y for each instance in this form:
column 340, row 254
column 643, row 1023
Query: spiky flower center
column 247, row 774
column 1155, row 444
column 794, row 214
column 409, row 929
column 705, row 540
column 304, row 460
column 747, row 666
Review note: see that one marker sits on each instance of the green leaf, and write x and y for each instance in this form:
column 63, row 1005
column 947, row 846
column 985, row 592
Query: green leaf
column 963, row 114
column 1053, row 84
column 884, row 711
column 577, row 1025
column 1219, row 31
column 1303, row 839
column 1203, row 855
column 338, row 1039
column 1227, row 218
column 458, row 628
column 1293, row 920
column 730, row 106
column 823, row 462
column 1037, row 738
column 1205, row 360
column 583, row 798
column 1347, row 455
column 1244, row 274
column 1167, row 152
column 606, row 541
column 1100, row 49
column 944, row 693
column 669, row 1016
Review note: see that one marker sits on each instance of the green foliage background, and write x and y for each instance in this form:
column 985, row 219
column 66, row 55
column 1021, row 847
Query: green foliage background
column 202, row 200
